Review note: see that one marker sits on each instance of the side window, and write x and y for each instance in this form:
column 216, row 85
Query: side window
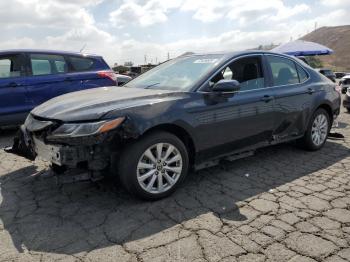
column 80, row 64
column 43, row 64
column 283, row 71
column 227, row 74
column 247, row 71
column 302, row 74
column 10, row 66
column 61, row 66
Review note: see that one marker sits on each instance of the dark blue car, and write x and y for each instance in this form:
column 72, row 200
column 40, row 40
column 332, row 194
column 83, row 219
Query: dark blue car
column 31, row 77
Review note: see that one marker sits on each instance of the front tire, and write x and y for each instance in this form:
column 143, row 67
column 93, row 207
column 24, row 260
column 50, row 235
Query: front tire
column 154, row 166
column 317, row 131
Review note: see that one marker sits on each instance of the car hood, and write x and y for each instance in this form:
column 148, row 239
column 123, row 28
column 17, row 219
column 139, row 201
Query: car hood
column 92, row 104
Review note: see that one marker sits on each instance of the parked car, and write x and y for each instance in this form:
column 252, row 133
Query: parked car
column 190, row 112
column 328, row 73
column 346, row 100
column 339, row 75
column 122, row 79
column 31, row 77
column 344, row 83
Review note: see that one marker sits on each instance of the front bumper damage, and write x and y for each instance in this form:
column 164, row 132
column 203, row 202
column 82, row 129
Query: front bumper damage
column 72, row 159
column 69, row 163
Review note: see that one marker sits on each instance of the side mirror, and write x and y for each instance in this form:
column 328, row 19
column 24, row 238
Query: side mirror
column 226, row 86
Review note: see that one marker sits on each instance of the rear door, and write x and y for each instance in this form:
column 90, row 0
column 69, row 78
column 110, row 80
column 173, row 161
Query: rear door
column 293, row 96
column 49, row 78
column 14, row 105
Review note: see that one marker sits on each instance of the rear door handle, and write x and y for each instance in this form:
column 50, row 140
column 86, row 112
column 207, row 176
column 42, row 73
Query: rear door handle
column 310, row 90
column 13, row 84
column 267, row 98
column 68, row 79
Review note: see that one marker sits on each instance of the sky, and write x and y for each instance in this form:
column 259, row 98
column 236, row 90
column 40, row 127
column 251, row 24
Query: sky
column 135, row 30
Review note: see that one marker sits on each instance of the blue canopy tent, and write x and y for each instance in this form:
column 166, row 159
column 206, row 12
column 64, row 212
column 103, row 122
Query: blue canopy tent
column 302, row 48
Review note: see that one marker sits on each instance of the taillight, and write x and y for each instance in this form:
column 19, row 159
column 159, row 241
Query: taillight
column 108, row 74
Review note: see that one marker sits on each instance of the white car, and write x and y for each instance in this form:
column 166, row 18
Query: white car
column 344, row 83
column 122, row 79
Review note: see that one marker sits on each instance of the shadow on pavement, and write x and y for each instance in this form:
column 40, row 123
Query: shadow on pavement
column 84, row 216
column 6, row 136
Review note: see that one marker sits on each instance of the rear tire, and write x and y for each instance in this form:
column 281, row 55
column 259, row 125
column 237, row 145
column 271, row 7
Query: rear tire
column 154, row 166
column 317, row 131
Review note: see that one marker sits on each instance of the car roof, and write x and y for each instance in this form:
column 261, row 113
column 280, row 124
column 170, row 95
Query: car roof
column 46, row 51
column 232, row 54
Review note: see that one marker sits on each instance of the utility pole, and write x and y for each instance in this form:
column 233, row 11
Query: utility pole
column 168, row 56
column 315, row 26
column 145, row 60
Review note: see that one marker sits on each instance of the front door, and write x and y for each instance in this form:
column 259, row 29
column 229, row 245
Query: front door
column 240, row 120
column 14, row 105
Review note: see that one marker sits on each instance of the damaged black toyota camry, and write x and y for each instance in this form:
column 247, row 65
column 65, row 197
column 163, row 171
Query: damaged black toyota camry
column 189, row 112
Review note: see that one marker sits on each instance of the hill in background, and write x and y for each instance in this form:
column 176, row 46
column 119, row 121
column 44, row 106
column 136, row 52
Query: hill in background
column 336, row 38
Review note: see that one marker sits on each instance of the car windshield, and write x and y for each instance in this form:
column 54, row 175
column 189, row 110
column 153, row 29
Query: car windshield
column 177, row 74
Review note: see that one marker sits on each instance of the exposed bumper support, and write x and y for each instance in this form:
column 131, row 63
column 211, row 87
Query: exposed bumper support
column 92, row 157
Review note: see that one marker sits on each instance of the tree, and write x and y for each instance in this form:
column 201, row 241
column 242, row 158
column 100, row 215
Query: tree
column 120, row 69
column 314, row 61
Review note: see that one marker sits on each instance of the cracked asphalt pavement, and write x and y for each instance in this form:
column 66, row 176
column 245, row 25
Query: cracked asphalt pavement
column 282, row 204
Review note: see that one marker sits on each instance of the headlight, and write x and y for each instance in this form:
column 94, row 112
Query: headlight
column 86, row 129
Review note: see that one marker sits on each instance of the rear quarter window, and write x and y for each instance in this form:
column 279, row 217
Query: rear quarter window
column 80, row 64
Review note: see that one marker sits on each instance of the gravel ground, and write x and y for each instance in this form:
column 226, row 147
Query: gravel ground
column 282, row 204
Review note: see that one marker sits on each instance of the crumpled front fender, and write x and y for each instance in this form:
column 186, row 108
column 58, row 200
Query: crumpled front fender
column 22, row 145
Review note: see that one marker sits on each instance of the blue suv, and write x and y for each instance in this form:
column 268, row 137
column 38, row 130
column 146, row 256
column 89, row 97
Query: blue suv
column 30, row 77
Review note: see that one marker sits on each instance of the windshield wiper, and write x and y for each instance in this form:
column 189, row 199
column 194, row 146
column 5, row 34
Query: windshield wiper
column 154, row 84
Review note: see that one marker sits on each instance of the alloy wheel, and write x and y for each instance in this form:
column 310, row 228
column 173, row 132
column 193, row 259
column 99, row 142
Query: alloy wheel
column 319, row 129
column 159, row 168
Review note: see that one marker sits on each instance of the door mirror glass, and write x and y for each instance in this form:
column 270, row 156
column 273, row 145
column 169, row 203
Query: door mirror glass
column 226, row 86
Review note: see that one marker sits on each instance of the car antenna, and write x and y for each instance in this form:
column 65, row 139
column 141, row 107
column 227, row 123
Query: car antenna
column 82, row 49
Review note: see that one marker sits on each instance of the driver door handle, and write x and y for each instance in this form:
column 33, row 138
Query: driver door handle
column 13, row 84
column 267, row 98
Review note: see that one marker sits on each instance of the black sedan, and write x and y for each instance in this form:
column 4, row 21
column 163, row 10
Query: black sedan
column 189, row 112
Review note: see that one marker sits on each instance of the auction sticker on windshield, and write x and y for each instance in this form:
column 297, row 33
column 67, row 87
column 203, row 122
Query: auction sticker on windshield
column 205, row 61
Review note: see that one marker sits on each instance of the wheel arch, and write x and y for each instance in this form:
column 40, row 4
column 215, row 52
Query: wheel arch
column 181, row 133
column 328, row 109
